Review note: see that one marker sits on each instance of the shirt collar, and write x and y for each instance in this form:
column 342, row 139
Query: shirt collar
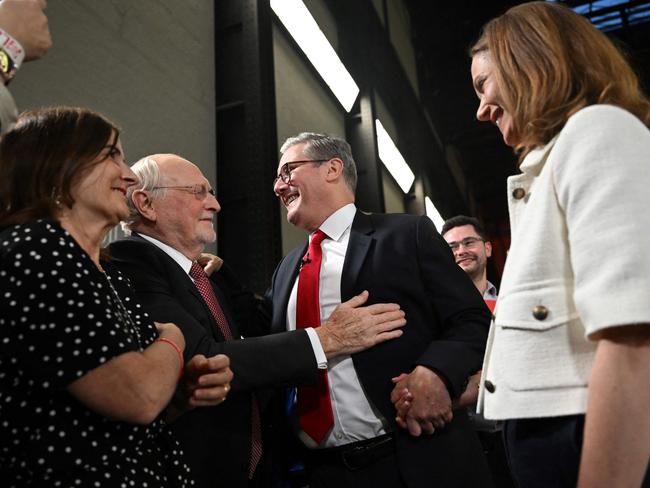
column 490, row 292
column 177, row 256
column 336, row 224
column 535, row 159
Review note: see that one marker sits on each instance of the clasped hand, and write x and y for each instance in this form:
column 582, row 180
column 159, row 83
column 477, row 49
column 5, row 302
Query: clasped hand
column 422, row 401
column 206, row 381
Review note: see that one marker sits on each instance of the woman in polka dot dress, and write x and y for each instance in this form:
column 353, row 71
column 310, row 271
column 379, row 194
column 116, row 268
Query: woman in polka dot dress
column 84, row 373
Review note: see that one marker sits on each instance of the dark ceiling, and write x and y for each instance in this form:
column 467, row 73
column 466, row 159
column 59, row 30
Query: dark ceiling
column 442, row 35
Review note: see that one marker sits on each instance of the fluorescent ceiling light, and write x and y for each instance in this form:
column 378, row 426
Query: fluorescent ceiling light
column 305, row 31
column 393, row 159
column 433, row 214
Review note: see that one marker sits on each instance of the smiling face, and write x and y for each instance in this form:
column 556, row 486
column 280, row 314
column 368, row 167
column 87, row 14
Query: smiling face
column 184, row 221
column 306, row 196
column 491, row 105
column 100, row 194
column 473, row 258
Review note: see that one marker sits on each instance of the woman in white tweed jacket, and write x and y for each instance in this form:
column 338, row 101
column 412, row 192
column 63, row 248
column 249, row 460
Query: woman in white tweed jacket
column 571, row 334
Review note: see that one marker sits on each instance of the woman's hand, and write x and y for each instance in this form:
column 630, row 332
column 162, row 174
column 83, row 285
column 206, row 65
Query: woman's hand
column 470, row 395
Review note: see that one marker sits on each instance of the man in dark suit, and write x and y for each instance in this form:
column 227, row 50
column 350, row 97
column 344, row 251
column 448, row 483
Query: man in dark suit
column 397, row 258
column 172, row 212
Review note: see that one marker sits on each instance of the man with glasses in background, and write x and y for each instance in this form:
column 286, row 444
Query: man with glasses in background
column 471, row 249
column 172, row 220
column 468, row 241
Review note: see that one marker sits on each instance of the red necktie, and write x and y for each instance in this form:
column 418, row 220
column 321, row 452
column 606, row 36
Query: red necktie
column 202, row 282
column 205, row 289
column 314, row 405
column 491, row 304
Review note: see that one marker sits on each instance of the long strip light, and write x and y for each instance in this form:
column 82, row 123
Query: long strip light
column 305, row 31
column 433, row 214
column 393, row 159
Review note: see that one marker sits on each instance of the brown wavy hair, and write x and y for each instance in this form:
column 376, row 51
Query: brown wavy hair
column 42, row 158
column 550, row 63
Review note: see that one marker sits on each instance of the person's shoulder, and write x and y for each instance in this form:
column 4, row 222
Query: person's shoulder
column 395, row 223
column 398, row 219
column 603, row 117
column 131, row 246
column 601, row 140
column 36, row 234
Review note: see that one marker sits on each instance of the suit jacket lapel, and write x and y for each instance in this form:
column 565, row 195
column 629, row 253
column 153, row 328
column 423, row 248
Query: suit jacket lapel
column 193, row 290
column 286, row 277
column 358, row 247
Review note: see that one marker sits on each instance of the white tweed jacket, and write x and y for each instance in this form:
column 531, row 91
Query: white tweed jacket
column 579, row 262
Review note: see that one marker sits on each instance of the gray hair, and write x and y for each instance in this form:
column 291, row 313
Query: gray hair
column 148, row 173
column 323, row 146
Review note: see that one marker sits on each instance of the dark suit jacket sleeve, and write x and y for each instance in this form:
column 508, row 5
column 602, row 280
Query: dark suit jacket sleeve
column 277, row 360
column 251, row 311
column 462, row 313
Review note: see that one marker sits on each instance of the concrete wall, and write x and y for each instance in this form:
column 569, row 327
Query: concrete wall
column 148, row 65
column 399, row 26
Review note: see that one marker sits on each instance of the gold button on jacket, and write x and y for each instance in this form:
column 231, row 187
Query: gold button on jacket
column 540, row 312
column 518, row 193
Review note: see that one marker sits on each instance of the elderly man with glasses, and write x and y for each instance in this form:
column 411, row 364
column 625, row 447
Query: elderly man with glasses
column 172, row 219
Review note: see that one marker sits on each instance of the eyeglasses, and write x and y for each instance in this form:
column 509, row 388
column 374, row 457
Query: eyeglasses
column 198, row 190
column 287, row 168
column 468, row 243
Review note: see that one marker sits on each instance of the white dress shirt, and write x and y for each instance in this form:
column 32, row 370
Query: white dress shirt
column 177, row 256
column 490, row 292
column 354, row 418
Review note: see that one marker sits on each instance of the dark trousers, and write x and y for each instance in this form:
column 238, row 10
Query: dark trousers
column 495, row 455
column 364, row 464
column 545, row 452
column 381, row 473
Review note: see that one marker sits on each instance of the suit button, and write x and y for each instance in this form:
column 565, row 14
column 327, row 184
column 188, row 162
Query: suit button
column 518, row 193
column 489, row 386
column 540, row 312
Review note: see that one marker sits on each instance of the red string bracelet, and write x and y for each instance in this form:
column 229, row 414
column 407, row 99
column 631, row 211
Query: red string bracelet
column 178, row 350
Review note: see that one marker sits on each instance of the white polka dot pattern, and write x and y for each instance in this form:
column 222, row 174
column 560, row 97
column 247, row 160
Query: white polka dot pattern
column 60, row 318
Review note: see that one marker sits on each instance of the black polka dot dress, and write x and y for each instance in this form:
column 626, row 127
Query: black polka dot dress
column 60, row 317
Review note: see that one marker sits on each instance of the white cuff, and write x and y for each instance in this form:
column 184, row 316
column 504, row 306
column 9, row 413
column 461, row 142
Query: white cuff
column 321, row 359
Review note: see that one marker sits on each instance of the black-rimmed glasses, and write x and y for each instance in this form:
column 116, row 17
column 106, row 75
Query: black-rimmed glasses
column 198, row 190
column 288, row 167
column 468, row 243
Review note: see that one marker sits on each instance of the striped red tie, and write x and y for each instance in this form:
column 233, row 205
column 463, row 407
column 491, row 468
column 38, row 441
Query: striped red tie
column 205, row 289
column 314, row 405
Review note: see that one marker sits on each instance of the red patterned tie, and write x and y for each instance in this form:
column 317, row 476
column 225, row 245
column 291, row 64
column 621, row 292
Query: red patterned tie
column 202, row 282
column 314, row 405
column 205, row 289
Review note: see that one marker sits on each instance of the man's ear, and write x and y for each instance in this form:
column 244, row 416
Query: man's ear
column 334, row 169
column 143, row 203
column 488, row 248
